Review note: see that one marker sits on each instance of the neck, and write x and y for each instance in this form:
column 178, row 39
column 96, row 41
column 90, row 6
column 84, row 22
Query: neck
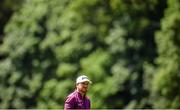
column 82, row 94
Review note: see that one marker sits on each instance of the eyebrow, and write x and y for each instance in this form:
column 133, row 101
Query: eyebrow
column 85, row 83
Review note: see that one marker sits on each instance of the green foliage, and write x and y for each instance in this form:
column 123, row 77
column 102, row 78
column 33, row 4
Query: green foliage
column 53, row 94
column 47, row 44
column 95, row 63
column 166, row 82
column 7, row 8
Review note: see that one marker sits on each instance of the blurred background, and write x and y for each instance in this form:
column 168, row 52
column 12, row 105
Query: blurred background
column 130, row 49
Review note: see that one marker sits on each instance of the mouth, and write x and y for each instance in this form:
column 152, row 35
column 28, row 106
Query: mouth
column 86, row 89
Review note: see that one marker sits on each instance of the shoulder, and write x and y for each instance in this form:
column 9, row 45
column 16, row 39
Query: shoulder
column 71, row 97
column 70, row 102
column 88, row 102
column 87, row 98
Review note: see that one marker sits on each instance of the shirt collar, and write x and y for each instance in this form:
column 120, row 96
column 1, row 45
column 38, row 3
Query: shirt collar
column 79, row 94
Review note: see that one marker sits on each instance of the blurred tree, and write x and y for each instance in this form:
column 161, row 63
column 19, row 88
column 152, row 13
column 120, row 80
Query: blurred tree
column 7, row 8
column 132, row 45
column 48, row 44
column 166, row 91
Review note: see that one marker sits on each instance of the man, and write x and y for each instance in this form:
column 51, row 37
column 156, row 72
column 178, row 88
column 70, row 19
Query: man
column 78, row 99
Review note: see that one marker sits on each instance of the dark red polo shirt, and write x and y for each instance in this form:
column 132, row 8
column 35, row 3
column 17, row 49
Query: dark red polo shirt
column 76, row 101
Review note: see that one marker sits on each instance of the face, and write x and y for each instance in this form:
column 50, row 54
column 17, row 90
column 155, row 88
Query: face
column 83, row 87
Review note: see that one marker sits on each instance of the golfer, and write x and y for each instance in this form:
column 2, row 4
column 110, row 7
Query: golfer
column 78, row 98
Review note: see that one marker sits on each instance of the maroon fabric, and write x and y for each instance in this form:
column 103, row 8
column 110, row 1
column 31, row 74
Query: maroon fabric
column 76, row 101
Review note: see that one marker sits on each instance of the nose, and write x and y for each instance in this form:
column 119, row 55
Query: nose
column 85, row 85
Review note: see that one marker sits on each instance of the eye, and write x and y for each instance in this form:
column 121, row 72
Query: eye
column 84, row 83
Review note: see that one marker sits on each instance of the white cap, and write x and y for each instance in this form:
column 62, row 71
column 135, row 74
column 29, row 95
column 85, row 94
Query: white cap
column 82, row 78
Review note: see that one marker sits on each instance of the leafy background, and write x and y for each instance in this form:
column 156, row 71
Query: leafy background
column 129, row 49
